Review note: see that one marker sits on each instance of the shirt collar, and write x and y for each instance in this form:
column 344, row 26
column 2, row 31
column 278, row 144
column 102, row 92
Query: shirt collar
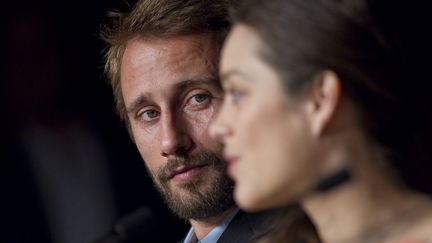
column 213, row 235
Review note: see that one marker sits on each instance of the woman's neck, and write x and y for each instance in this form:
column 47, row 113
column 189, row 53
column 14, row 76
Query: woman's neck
column 350, row 211
column 363, row 204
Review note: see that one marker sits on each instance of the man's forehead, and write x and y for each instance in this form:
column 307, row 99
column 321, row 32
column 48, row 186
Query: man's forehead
column 157, row 69
column 185, row 44
column 185, row 52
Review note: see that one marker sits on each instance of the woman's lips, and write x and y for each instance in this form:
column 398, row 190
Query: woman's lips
column 231, row 161
column 185, row 173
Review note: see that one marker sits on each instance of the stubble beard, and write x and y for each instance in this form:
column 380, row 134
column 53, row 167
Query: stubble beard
column 203, row 197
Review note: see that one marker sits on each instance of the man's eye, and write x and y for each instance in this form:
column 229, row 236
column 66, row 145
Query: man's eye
column 199, row 98
column 148, row 115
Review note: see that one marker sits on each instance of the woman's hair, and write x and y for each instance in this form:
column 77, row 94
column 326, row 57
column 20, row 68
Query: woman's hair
column 292, row 226
column 365, row 42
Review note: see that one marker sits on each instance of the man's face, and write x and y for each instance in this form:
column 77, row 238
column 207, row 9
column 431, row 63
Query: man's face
column 172, row 93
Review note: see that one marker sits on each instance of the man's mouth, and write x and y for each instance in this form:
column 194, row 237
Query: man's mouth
column 184, row 173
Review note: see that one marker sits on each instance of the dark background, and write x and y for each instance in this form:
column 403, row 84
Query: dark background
column 68, row 168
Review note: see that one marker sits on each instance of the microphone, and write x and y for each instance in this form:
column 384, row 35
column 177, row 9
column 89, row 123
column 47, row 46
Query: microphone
column 133, row 227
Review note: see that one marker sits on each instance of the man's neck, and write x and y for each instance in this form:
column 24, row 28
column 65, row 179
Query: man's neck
column 203, row 226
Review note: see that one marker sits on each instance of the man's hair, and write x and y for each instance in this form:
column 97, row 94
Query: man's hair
column 159, row 19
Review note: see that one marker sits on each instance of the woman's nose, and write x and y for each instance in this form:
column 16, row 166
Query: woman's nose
column 219, row 129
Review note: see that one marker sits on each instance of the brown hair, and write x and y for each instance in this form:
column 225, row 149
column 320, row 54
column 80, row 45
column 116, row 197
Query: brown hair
column 366, row 43
column 292, row 226
column 159, row 19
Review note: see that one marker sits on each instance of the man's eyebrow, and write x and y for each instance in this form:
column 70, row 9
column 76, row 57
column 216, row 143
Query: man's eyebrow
column 213, row 81
column 136, row 103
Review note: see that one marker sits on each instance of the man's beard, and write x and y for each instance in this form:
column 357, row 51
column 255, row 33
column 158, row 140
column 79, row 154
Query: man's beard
column 201, row 197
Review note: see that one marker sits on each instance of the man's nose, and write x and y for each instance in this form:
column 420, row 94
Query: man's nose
column 175, row 137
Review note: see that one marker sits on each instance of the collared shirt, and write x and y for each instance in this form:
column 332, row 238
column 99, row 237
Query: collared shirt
column 215, row 234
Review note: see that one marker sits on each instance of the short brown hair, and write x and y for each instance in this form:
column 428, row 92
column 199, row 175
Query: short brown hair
column 159, row 19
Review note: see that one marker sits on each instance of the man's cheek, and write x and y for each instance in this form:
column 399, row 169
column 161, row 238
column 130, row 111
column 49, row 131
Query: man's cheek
column 203, row 120
column 148, row 146
column 151, row 158
column 153, row 172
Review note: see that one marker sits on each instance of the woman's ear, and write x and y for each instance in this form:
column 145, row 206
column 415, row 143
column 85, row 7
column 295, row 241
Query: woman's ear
column 325, row 95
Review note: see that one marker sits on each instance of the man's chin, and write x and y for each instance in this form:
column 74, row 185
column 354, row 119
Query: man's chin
column 189, row 189
column 201, row 191
column 197, row 199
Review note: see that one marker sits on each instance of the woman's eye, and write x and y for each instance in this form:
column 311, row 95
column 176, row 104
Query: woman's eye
column 235, row 95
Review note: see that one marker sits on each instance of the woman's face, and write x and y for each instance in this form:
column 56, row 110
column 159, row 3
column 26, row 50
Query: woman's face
column 265, row 131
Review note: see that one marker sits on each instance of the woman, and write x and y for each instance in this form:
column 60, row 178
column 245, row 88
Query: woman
column 315, row 112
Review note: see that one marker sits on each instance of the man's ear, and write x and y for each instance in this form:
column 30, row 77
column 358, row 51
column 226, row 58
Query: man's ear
column 325, row 95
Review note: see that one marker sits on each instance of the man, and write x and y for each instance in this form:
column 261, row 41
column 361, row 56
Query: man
column 163, row 64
